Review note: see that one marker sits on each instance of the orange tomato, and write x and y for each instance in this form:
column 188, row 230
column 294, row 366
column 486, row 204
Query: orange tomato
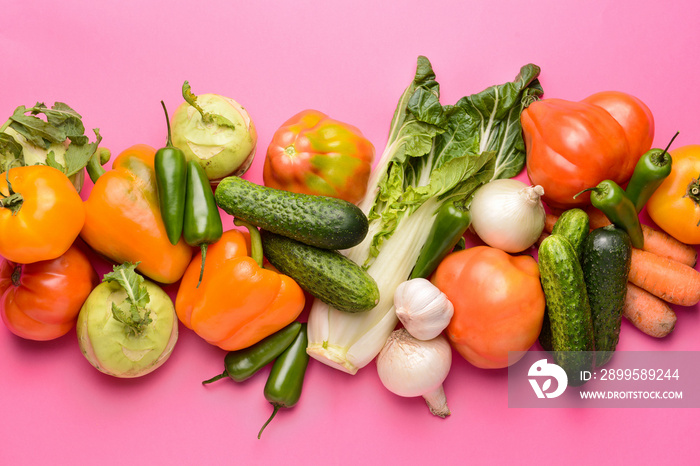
column 675, row 205
column 123, row 220
column 238, row 303
column 498, row 303
column 40, row 216
column 572, row 146
column 41, row 301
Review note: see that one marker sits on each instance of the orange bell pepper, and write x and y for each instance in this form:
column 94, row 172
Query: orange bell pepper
column 123, row 220
column 238, row 303
column 314, row 154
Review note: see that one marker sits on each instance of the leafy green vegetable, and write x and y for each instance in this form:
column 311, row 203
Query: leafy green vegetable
column 434, row 153
column 57, row 141
column 138, row 316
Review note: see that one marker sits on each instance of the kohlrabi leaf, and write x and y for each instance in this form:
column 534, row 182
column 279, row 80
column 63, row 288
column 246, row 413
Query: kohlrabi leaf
column 63, row 126
column 214, row 118
column 35, row 130
column 137, row 298
column 10, row 150
column 52, row 162
column 78, row 155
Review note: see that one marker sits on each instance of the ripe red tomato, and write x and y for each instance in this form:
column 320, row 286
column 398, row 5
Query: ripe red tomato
column 41, row 301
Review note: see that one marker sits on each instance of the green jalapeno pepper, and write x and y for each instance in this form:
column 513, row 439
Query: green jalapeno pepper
column 171, row 180
column 242, row 364
column 202, row 225
column 451, row 222
column 611, row 199
column 651, row 170
column 283, row 386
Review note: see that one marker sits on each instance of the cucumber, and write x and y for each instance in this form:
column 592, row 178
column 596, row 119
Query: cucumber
column 607, row 254
column 320, row 221
column 326, row 274
column 573, row 225
column 569, row 311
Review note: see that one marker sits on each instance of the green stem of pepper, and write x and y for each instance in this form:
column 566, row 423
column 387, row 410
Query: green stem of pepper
column 202, row 221
column 611, row 199
column 651, row 170
column 170, row 168
column 256, row 249
column 242, row 364
column 284, row 384
column 451, row 222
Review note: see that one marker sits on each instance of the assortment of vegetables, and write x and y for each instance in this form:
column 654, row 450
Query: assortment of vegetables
column 374, row 250
column 435, row 154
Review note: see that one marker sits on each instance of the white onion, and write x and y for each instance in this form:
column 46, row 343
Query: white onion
column 410, row 367
column 508, row 214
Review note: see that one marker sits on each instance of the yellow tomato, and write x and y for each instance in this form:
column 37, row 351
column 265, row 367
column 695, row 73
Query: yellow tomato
column 675, row 205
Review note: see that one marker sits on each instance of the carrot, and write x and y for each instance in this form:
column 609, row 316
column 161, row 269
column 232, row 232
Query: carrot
column 667, row 279
column 659, row 242
column 549, row 221
column 596, row 217
column 665, row 245
column 648, row 313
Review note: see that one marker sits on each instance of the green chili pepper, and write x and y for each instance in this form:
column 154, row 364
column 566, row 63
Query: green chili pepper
column 651, row 170
column 171, row 180
column 451, row 222
column 283, row 387
column 611, row 199
column 202, row 225
column 242, row 364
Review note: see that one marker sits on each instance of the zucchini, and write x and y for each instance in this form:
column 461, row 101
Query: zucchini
column 320, row 221
column 607, row 254
column 569, row 311
column 573, row 225
column 324, row 273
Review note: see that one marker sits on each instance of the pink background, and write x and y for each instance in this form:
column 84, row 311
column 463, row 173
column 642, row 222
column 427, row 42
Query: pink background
column 114, row 62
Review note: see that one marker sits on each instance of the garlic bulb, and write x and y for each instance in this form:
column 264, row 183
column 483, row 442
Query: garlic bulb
column 508, row 214
column 410, row 367
column 422, row 308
